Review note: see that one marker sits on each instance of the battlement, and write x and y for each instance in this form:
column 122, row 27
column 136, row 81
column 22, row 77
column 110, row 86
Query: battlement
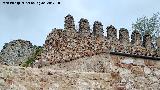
column 69, row 44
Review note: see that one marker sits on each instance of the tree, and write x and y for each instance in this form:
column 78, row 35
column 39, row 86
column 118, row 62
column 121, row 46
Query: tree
column 148, row 25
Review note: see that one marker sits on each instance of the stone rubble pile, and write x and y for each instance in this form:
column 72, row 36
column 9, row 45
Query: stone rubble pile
column 16, row 52
column 69, row 44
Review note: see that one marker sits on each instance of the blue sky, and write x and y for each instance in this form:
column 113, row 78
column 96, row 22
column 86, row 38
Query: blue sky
column 33, row 22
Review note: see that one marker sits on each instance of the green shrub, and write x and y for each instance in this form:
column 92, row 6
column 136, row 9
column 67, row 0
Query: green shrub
column 31, row 60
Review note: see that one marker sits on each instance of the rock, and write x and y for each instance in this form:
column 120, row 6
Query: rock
column 16, row 52
column 138, row 71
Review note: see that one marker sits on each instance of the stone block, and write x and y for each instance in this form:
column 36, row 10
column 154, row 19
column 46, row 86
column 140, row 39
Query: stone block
column 123, row 36
column 98, row 29
column 111, row 32
column 136, row 38
column 84, row 27
column 147, row 41
column 69, row 23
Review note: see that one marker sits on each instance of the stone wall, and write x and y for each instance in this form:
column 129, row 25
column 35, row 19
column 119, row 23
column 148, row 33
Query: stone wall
column 128, row 73
column 60, row 48
column 97, row 29
column 16, row 52
column 98, row 72
column 69, row 44
column 111, row 33
column 136, row 38
column 123, row 36
column 84, row 27
column 69, row 23
column 158, row 46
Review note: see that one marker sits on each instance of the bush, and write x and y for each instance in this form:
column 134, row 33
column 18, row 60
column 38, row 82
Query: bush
column 30, row 60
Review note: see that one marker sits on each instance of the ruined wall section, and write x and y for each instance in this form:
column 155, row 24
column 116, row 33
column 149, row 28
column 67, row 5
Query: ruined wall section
column 84, row 27
column 98, row 29
column 69, row 44
column 16, row 52
column 158, row 46
column 60, row 48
